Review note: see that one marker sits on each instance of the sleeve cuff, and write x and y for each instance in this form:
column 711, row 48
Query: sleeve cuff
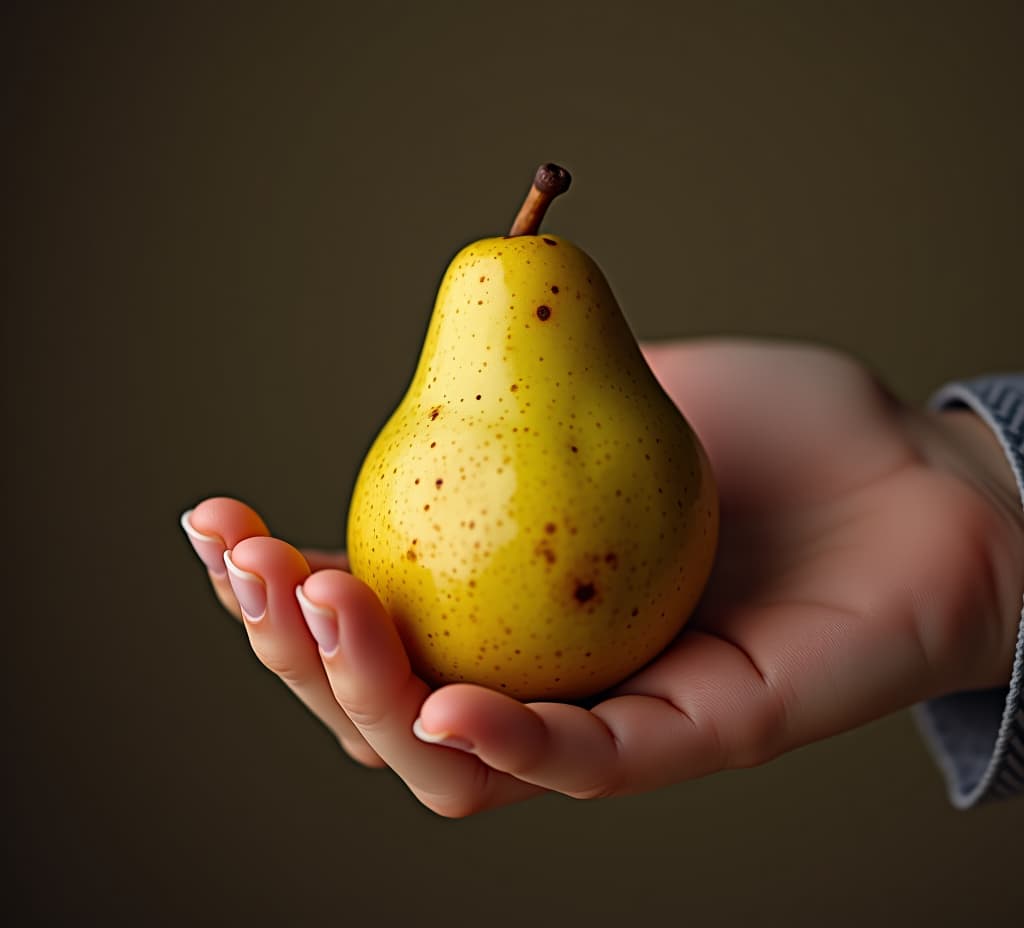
column 977, row 738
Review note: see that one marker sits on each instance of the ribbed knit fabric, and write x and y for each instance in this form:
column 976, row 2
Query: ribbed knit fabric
column 977, row 738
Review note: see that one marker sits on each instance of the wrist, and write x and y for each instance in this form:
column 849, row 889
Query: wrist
column 983, row 461
column 964, row 445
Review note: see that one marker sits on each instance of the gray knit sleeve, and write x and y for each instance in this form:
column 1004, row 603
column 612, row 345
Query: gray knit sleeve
column 977, row 738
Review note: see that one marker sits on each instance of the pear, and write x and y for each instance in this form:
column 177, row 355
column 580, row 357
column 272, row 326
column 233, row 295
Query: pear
column 537, row 516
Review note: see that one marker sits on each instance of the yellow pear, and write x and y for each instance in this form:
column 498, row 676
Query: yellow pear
column 537, row 516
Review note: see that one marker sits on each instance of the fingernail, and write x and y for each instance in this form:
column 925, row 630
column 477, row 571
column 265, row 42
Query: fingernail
column 209, row 547
column 322, row 622
column 441, row 737
column 249, row 590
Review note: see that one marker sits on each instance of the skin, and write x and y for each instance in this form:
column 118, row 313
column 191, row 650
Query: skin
column 871, row 556
column 537, row 516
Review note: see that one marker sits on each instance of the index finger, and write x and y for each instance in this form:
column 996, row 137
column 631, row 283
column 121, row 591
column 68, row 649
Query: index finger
column 214, row 526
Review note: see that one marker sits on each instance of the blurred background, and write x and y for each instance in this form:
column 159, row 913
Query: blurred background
column 226, row 224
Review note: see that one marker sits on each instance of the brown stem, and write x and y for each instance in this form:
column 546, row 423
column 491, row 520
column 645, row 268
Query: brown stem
column 549, row 181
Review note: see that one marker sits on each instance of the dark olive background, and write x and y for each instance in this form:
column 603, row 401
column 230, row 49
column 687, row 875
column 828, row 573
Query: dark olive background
column 226, row 224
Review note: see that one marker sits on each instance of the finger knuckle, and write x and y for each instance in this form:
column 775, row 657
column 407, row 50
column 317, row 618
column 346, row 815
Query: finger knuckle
column 709, row 737
column 762, row 737
column 278, row 664
column 454, row 807
column 362, row 753
column 367, row 717
column 370, row 705
column 603, row 790
column 470, row 799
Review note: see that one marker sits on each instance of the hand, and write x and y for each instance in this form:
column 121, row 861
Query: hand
column 358, row 681
column 870, row 558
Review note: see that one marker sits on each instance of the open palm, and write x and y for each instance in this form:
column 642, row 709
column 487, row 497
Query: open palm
column 859, row 571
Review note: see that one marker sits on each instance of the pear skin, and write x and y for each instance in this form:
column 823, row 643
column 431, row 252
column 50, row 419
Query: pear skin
column 537, row 516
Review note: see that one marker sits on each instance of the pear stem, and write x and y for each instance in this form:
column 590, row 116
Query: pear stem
column 549, row 181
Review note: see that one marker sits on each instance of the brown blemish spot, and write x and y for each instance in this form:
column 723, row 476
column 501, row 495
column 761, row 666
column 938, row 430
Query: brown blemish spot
column 482, row 279
column 411, row 554
column 542, row 550
column 549, row 241
column 584, row 592
column 426, row 507
column 554, row 289
column 433, row 444
column 438, row 482
column 434, row 413
column 416, row 481
column 635, row 611
column 574, row 449
column 611, row 558
column 543, row 313
column 550, row 528
column 478, row 396
column 514, row 387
